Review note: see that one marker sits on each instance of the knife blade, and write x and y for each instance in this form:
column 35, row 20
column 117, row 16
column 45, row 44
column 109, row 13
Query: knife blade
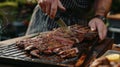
column 60, row 22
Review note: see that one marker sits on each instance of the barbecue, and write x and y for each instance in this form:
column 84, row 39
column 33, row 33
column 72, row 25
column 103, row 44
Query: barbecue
column 58, row 42
column 68, row 49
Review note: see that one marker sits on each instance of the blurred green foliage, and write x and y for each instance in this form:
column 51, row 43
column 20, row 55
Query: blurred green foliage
column 14, row 3
column 16, row 9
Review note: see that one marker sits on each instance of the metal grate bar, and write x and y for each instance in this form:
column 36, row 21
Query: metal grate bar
column 11, row 50
column 12, row 53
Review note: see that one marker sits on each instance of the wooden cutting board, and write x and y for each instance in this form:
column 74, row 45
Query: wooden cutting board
column 104, row 46
column 100, row 49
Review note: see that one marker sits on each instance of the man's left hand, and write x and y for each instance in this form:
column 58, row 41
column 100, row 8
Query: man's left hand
column 98, row 24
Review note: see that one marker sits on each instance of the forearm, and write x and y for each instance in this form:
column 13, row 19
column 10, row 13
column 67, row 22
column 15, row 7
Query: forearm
column 102, row 7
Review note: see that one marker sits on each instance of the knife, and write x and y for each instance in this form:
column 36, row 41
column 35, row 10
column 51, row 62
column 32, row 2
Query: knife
column 60, row 22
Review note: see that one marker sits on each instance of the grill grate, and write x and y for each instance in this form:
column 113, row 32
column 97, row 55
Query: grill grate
column 12, row 52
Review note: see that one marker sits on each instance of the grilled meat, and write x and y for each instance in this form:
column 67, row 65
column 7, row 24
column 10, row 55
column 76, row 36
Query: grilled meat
column 58, row 41
column 68, row 53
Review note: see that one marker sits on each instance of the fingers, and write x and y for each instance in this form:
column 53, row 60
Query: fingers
column 92, row 25
column 53, row 8
column 102, row 34
column 57, row 4
column 42, row 5
column 97, row 24
column 61, row 6
column 50, row 7
column 102, row 31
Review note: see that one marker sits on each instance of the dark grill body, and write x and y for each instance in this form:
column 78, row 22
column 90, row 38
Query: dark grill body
column 19, row 54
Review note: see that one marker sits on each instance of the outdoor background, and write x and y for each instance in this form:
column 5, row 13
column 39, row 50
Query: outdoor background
column 15, row 16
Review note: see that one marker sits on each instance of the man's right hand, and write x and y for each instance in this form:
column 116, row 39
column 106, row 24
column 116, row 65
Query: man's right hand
column 50, row 7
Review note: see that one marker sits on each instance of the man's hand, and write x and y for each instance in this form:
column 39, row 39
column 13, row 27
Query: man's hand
column 98, row 24
column 50, row 6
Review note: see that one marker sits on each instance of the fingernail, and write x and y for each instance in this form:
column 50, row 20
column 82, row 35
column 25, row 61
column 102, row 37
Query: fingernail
column 92, row 29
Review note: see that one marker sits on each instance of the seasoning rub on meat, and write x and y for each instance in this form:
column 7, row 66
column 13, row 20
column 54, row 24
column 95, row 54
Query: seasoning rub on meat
column 58, row 41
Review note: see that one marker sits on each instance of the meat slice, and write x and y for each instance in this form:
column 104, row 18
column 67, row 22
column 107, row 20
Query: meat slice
column 68, row 53
column 58, row 41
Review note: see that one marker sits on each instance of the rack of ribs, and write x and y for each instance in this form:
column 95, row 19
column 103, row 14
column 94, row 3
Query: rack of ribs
column 58, row 41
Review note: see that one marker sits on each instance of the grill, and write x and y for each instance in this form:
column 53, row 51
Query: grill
column 12, row 54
